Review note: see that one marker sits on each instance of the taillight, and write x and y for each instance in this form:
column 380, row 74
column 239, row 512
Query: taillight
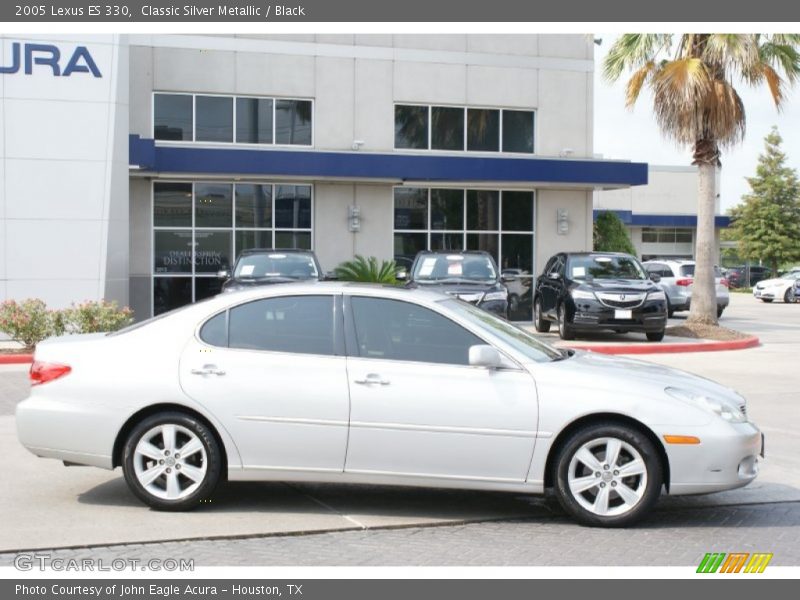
column 42, row 372
column 684, row 282
column 725, row 282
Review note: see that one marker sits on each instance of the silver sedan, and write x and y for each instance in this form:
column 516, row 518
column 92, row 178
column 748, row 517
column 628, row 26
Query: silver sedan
column 336, row 382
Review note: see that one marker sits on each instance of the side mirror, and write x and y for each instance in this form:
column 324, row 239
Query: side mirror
column 223, row 274
column 401, row 275
column 555, row 276
column 655, row 277
column 331, row 276
column 483, row 355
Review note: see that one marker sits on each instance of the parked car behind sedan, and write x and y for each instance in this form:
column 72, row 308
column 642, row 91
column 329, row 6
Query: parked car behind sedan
column 592, row 291
column 737, row 276
column 346, row 383
column 263, row 266
column 676, row 278
column 471, row 275
column 780, row 288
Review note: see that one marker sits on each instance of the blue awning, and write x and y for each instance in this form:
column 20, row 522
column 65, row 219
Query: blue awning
column 644, row 220
column 150, row 157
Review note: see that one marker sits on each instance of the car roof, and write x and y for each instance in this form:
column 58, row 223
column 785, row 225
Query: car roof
column 588, row 253
column 480, row 252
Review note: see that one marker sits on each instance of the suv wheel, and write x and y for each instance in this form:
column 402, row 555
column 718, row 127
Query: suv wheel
column 564, row 330
column 607, row 475
column 171, row 461
column 654, row 336
column 541, row 324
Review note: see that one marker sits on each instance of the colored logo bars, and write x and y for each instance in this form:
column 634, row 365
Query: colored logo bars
column 735, row 562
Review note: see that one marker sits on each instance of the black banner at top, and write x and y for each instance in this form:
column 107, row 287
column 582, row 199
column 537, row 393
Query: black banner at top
column 199, row 11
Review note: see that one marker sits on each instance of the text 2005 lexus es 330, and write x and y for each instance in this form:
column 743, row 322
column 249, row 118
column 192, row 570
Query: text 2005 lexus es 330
column 352, row 383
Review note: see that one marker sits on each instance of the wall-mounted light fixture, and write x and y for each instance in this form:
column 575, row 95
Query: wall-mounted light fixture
column 354, row 219
column 357, row 144
column 562, row 221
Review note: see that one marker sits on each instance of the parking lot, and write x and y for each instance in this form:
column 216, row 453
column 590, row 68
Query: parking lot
column 48, row 506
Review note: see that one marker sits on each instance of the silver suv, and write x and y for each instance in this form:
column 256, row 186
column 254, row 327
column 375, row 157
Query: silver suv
column 677, row 279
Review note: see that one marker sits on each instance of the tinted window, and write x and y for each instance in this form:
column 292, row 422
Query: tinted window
column 410, row 208
column 297, row 324
column 411, row 127
column 253, row 205
column 687, row 270
column 213, row 205
column 293, row 206
column 214, row 119
column 293, row 122
column 276, row 264
column 397, row 330
column 212, row 251
column 254, row 120
column 172, row 204
column 172, row 119
column 517, row 131
column 215, row 330
column 439, row 267
column 447, row 128
column 483, row 130
column 447, row 209
column 483, row 210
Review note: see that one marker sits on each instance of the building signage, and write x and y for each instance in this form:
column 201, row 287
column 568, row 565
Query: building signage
column 48, row 58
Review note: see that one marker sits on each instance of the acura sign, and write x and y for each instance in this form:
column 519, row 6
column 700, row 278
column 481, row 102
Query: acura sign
column 30, row 56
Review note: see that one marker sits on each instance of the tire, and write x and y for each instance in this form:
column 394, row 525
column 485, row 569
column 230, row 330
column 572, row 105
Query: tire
column 171, row 488
column 787, row 296
column 767, row 300
column 654, row 336
column 643, row 485
column 720, row 310
column 541, row 324
column 670, row 310
column 564, row 330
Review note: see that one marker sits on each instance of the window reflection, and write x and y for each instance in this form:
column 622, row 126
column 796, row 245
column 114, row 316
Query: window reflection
column 293, row 122
column 214, row 119
column 254, row 120
column 411, row 127
column 172, row 117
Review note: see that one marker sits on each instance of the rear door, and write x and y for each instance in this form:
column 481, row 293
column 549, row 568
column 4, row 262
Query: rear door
column 273, row 371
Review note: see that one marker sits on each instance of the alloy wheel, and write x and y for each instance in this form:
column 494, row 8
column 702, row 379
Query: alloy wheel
column 170, row 461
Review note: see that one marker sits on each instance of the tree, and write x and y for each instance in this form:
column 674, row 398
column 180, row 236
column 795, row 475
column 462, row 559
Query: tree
column 767, row 223
column 367, row 270
column 611, row 235
column 695, row 104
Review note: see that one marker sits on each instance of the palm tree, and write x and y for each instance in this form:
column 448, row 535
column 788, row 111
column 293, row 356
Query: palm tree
column 695, row 103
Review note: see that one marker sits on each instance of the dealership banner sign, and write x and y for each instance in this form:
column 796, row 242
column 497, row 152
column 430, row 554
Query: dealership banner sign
column 405, row 11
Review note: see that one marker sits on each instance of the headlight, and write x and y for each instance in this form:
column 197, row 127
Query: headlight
column 501, row 295
column 657, row 295
column 579, row 294
column 722, row 408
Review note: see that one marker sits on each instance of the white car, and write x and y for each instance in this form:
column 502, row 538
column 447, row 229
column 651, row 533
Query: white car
column 779, row 288
column 336, row 382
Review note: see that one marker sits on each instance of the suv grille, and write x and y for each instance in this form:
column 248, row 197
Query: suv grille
column 621, row 300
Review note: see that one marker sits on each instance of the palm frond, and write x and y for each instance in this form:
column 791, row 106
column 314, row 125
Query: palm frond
column 732, row 50
column 632, row 51
column 367, row 270
column 637, row 81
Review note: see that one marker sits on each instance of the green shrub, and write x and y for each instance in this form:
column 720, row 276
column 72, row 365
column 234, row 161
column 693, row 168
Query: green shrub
column 611, row 235
column 93, row 317
column 368, row 270
column 29, row 322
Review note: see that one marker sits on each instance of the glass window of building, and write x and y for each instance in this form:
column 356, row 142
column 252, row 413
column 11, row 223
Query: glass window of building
column 483, row 130
column 254, row 120
column 496, row 221
column 293, row 122
column 518, row 131
column 447, row 128
column 173, row 117
column 411, row 127
column 214, row 119
column 200, row 228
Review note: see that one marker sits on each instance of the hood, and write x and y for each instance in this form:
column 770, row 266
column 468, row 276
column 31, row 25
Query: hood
column 770, row 282
column 618, row 285
column 462, row 288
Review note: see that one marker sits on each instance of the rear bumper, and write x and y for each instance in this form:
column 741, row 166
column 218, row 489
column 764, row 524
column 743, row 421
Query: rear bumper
column 727, row 458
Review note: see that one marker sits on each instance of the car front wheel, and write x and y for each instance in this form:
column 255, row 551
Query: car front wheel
column 172, row 461
column 655, row 336
column 564, row 330
column 541, row 324
column 608, row 475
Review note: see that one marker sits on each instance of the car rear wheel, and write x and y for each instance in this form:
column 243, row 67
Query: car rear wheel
column 564, row 330
column 608, row 475
column 541, row 324
column 171, row 461
column 654, row 336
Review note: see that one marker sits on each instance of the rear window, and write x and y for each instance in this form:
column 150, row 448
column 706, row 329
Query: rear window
column 687, row 270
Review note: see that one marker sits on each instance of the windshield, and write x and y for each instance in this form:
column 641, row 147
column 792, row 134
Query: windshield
column 517, row 338
column 454, row 267
column 604, row 267
column 276, row 264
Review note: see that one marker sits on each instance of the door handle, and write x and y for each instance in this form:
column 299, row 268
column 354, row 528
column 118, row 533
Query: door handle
column 372, row 379
column 208, row 370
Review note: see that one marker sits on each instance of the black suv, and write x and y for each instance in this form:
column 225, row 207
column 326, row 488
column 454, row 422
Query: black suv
column 260, row 266
column 472, row 276
column 591, row 291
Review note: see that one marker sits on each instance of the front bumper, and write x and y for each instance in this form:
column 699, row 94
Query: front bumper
column 591, row 315
column 727, row 458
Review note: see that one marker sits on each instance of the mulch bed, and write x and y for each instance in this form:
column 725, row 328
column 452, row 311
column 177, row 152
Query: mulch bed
column 706, row 332
column 15, row 351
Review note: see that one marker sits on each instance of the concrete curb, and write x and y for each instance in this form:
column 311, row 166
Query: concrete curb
column 671, row 348
column 15, row 359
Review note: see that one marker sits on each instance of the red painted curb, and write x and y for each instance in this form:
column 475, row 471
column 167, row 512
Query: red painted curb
column 15, row 359
column 749, row 342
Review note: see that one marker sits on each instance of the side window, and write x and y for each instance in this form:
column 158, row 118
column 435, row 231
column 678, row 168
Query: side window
column 299, row 324
column 215, row 331
column 561, row 266
column 397, row 330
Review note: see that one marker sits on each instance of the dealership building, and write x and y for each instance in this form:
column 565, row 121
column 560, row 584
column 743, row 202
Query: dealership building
column 134, row 168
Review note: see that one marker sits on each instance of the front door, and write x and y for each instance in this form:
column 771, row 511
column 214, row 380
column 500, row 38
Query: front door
column 271, row 370
column 418, row 409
